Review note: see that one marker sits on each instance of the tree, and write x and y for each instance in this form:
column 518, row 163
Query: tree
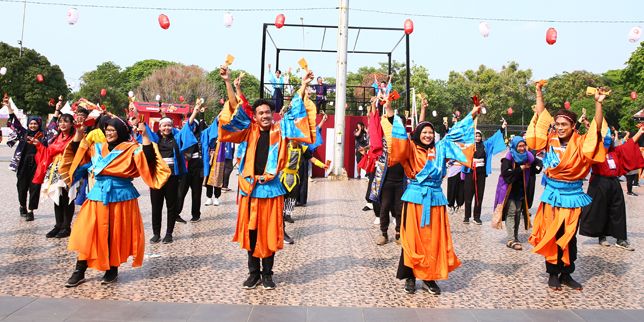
column 106, row 76
column 249, row 84
column 632, row 79
column 135, row 74
column 20, row 81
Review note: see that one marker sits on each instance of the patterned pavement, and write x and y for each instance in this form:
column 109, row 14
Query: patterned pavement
column 334, row 262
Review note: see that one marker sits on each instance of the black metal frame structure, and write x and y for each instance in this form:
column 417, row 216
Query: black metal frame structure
column 265, row 33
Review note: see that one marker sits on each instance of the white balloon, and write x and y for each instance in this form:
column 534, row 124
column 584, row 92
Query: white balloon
column 434, row 114
column 158, row 97
column 3, row 71
column 72, row 16
column 130, row 94
column 228, row 19
column 484, row 29
column 635, row 34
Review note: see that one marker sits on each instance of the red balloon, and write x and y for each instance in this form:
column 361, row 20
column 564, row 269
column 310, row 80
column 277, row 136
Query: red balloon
column 181, row 99
column 279, row 21
column 164, row 21
column 510, row 111
column 40, row 78
column 633, row 95
column 103, row 92
column 409, row 26
column 567, row 105
column 551, row 36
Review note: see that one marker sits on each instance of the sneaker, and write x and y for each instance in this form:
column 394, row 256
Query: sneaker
column 478, row 222
column 267, row 282
column 432, row 287
column 181, row 220
column 603, row 241
column 382, row 239
column 410, row 286
column 397, row 239
column 623, row 244
column 195, row 219
column 376, row 222
column 289, row 219
column 466, row 221
column 554, row 283
column 63, row 233
column 252, row 281
column 225, row 189
column 367, row 206
column 29, row 216
column 155, row 239
column 567, row 280
column 77, row 278
column 288, row 239
column 208, row 202
column 110, row 276
column 215, row 202
column 167, row 239
column 52, row 233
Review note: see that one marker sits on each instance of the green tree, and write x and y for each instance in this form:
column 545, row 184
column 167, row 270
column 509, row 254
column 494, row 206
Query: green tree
column 20, row 81
column 632, row 79
column 135, row 74
column 108, row 76
column 249, row 85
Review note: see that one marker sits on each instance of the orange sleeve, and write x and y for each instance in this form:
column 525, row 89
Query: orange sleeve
column 73, row 159
column 234, row 124
column 593, row 144
column 154, row 178
column 537, row 134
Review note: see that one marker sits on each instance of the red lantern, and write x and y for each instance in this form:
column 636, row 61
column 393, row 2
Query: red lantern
column 633, row 95
column 181, row 99
column 510, row 111
column 103, row 92
column 551, row 36
column 279, row 21
column 457, row 113
column 567, row 105
column 40, row 78
column 409, row 26
column 164, row 21
column 221, row 101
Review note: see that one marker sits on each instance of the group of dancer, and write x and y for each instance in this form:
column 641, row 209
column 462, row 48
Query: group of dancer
column 405, row 169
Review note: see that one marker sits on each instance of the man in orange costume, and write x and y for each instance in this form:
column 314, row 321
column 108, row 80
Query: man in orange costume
column 263, row 147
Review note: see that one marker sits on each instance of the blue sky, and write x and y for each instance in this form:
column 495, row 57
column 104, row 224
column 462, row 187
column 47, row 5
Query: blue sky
column 441, row 45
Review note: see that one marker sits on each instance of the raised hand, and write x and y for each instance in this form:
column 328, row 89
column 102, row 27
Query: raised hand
column 224, row 73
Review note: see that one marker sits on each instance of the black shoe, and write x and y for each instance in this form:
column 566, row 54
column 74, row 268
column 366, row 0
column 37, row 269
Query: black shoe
column 110, row 276
column 252, row 281
column 410, row 286
column 554, row 283
column 52, row 233
column 478, row 222
column 297, row 204
column 181, row 220
column 195, row 219
column 167, row 239
column 23, row 212
column 432, row 287
column 365, row 208
column 632, row 194
column 29, row 216
column 466, row 221
column 267, row 282
column 63, row 233
column 567, row 280
column 78, row 276
column 289, row 219
column 155, row 239
column 288, row 239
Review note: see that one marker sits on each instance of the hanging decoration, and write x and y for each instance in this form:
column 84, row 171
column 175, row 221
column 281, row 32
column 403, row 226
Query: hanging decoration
column 567, row 105
column 409, row 26
column 279, row 21
column 484, row 29
column 510, row 111
column 40, row 78
column 633, row 95
column 3, row 71
column 434, row 113
column 635, row 34
column 551, row 36
column 181, row 99
column 164, row 21
column 130, row 94
column 103, row 92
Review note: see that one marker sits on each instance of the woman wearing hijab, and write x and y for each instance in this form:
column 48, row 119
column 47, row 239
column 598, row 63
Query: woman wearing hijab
column 513, row 192
column 24, row 160
column 109, row 228
column 427, row 249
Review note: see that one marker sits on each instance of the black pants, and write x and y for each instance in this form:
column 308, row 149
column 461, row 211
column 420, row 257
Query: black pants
column 390, row 203
column 210, row 189
column 254, row 267
column 169, row 192
column 631, row 179
column 404, row 272
column 559, row 268
column 471, row 193
column 606, row 215
column 64, row 211
column 193, row 182
column 26, row 187
column 455, row 191
column 303, row 189
column 228, row 169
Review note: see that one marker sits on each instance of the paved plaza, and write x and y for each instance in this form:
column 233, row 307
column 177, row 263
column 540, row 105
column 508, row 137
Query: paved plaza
column 334, row 271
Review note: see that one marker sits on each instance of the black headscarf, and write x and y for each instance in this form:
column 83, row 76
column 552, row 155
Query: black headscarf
column 122, row 130
column 38, row 120
column 415, row 136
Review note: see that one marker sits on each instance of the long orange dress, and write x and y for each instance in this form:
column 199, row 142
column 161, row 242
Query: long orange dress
column 261, row 203
column 108, row 228
column 563, row 197
column 425, row 234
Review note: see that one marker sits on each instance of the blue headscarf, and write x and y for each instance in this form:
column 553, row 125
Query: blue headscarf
column 519, row 158
column 38, row 120
column 608, row 139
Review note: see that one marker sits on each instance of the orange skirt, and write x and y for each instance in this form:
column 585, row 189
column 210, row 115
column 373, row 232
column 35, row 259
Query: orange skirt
column 265, row 216
column 107, row 235
column 547, row 222
column 428, row 250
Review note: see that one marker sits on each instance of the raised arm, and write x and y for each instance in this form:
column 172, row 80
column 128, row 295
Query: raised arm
column 225, row 75
column 195, row 111
column 637, row 135
column 599, row 112
column 423, row 108
column 540, row 104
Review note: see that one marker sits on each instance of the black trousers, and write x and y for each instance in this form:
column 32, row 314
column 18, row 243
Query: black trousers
column 211, row 189
column 192, row 181
column 228, row 169
column 254, row 267
column 28, row 190
column 169, row 192
column 631, row 179
column 455, row 191
column 471, row 193
column 606, row 215
column 64, row 211
column 390, row 203
column 404, row 272
column 559, row 268
column 303, row 190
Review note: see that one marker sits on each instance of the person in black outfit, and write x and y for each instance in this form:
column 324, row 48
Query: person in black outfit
column 193, row 179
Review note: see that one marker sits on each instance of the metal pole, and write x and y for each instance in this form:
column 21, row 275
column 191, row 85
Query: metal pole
column 22, row 34
column 341, row 86
column 408, row 71
column 261, row 73
column 388, row 64
column 277, row 60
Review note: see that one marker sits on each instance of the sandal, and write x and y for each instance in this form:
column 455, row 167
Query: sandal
column 514, row 245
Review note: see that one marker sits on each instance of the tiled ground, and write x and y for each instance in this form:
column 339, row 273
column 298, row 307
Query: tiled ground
column 334, row 262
